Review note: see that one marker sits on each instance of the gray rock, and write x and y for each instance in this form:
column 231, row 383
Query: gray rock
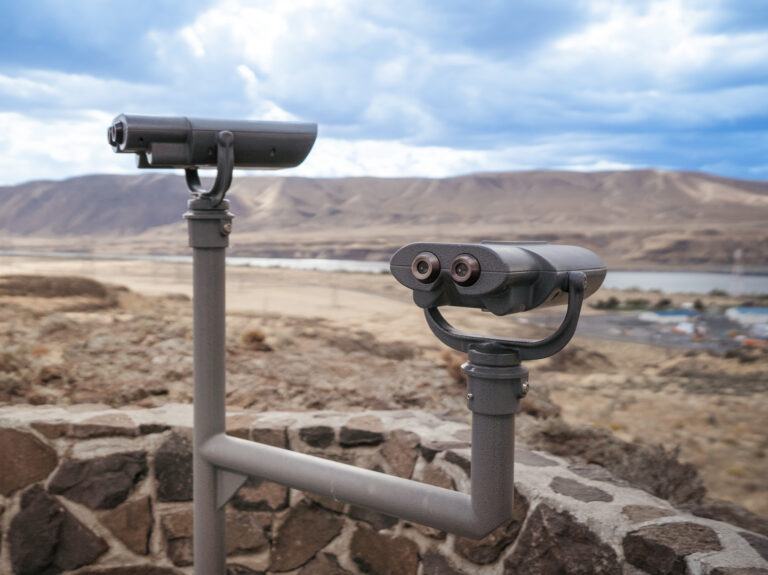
column 51, row 429
column 173, row 469
column 376, row 520
column 437, row 477
column 111, row 425
column 729, row 512
column 758, row 543
column 382, row 554
column 320, row 436
column 662, row 549
column 435, row 564
column 236, row 569
column 102, row 482
column 150, row 428
column 258, row 495
column 460, row 460
column 133, row 570
column 400, row 451
column 305, row 531
column 246, row 531
column 25, row 459
column 738, row 571
column 554, row 542
column 432, row 448
column 45, row 539
column 597, row 472
column 351, row 437
column 640, row 513
column 178, row 529
column 489, row 548
column 270, row 436
column 132, row 524
column 578, row 490
column 527, row 457
column 324, row 564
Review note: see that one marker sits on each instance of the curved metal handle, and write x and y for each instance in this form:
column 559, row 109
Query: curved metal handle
column 526, row 349
column 225, row 165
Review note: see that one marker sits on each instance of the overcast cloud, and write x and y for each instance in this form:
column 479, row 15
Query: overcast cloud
column 398, row 88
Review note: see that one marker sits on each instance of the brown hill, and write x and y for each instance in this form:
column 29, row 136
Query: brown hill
column 633, row 218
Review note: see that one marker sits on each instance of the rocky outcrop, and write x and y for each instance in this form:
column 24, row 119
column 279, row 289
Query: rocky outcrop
column 102, row 492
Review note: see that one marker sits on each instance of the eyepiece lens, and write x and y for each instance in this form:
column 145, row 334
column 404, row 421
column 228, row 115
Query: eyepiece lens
column 116, row 133
column 465, row 269
column 425, row 267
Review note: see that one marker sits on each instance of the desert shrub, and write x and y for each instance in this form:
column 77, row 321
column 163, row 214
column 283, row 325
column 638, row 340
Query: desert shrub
column 255, row 339
column 698, row 305
column 538, row 403
column 662, row 303
column 637, row 303
column 50, row 286
column 453, row 362
column 364, row 341
column 610, row 303
column 55, row 323
column 718, row 293
column 13, row 380
column 575, row 359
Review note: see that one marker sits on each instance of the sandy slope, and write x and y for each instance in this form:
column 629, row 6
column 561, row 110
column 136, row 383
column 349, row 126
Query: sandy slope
column 353, row 341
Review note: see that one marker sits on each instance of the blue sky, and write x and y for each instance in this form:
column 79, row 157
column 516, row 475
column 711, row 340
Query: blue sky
column 398, row 88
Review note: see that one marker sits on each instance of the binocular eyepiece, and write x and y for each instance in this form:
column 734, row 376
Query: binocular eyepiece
column 464, row 268
column 502, row 277
column 180, row 142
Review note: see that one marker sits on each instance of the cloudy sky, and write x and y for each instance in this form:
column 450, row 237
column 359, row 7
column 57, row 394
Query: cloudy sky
column 399, row 87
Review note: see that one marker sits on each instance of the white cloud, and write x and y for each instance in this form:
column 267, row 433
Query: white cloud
column 39, row 149
column 394, row 98
column 338, row 158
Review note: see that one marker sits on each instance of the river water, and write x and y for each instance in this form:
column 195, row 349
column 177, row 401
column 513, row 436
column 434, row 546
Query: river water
column 663, row 281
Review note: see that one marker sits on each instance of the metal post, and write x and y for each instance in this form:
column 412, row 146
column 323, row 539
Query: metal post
column 495, row 384
column 209, row 229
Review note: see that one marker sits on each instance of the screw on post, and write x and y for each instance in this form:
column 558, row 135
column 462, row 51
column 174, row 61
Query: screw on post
column 502, row 278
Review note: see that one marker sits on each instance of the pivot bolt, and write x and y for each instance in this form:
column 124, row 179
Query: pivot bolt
column 226, row 228
column 524, row 389
column 470, row 397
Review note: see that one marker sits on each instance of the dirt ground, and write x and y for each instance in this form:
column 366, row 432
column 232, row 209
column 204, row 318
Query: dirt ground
column 301, row 340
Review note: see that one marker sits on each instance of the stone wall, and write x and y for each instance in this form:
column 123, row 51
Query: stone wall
column 94, row 491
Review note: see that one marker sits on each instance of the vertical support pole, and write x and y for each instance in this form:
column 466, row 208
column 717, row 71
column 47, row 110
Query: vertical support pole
column 209, row 229
column 495, row 384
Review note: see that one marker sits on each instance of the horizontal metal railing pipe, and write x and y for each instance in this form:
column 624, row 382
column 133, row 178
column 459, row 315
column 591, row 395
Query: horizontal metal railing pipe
column 472, row 516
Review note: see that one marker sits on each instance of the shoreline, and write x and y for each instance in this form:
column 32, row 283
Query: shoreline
column 236, row 260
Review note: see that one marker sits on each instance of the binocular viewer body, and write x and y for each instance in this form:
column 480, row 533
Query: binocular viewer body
column 501, row 277
column 180, row 142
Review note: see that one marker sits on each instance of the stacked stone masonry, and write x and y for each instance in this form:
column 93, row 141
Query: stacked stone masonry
column 93, row 491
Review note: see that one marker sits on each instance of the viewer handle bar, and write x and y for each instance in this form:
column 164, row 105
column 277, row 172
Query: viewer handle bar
column 575, row 285
column 225, row 165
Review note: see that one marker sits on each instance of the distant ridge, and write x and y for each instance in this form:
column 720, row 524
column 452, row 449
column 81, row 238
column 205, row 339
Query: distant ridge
column 702, row 216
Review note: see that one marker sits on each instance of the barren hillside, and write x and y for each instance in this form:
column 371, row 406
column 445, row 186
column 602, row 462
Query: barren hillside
column 634, row 218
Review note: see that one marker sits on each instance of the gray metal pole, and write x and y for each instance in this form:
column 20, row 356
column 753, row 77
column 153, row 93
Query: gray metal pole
column 209, row 230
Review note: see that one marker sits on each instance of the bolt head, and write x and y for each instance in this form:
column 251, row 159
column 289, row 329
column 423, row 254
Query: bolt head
column 524, row 389
column 227, row 228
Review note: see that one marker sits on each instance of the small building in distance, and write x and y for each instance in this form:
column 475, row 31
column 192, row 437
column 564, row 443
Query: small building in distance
column 672, row 316
column 748, row 315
